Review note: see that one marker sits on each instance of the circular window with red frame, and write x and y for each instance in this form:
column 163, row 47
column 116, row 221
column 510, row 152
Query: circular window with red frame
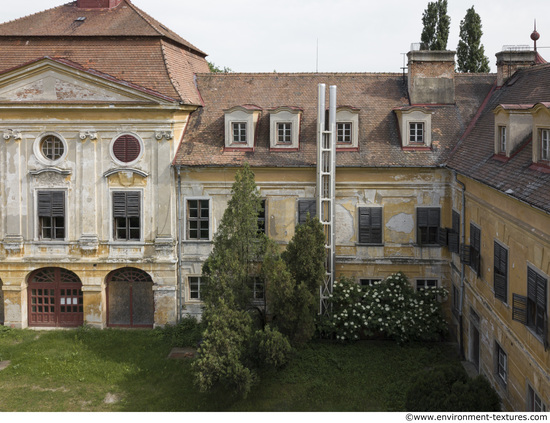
column 126, row 148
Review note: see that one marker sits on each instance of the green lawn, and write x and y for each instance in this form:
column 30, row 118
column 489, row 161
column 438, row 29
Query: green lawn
column 128, row 370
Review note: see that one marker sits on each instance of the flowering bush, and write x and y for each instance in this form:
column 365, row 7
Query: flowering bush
column 390, row 308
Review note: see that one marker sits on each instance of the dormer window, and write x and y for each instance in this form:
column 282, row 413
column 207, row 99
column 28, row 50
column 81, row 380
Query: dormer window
column 284, row 128
column 239, row 132
column 347, row 127
column 502, row 139
column 415, row 126
column 416, row 133
column 240, row 126
column 545, row 144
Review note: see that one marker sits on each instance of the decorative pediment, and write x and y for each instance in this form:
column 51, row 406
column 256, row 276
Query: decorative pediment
column 51, row 81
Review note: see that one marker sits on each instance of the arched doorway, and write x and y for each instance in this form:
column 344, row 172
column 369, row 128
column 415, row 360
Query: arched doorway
column 130, row 300
column 55, row 298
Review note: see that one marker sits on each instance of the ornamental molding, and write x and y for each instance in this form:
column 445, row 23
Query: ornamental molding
column 159, row 135
column 57, row 170
column 125, row 170
column 88, row 134
column 13, row 133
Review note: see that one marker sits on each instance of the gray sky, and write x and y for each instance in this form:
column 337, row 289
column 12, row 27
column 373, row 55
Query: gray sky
column 349, row 35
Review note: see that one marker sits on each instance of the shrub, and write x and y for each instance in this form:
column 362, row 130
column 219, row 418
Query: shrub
column 270, row 348
column 448, row 388
column 391, row 308
column 187, row 333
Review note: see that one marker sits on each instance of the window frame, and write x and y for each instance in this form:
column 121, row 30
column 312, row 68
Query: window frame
column 545, row 144
column 431, row 228
column 53, row 209
column 44, row 159
column 421, row 284
column 112, row 148
column 537, row 302
column 239, row 128
column 501, row 366
column 284, row 133
column 475, row 248
column 304, row 206
column 192, row 280
column 189, row 219
column 532, row 404
column 344, row 137
column 500, row 272
column 365, row 282
column 370, row 225
column 262, row 222
column 416, row 136
column 502, row 139
column 126, row 219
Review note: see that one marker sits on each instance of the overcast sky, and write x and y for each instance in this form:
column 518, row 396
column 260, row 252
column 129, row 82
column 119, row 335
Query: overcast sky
column 324, row 35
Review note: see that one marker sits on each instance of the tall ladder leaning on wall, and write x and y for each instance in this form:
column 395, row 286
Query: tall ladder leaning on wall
column 326, row 176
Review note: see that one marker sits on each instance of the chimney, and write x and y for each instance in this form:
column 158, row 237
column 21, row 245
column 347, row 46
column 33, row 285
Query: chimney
column 431, row 77
column 97, row 4
column 512, row 59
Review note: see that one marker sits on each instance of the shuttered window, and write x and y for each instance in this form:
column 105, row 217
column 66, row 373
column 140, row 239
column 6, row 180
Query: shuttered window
column 305, row 207
column 501, row 273
column 454, row 234
column 261, row 218
column 51, row 214
column 475, row 248
column 126, row 148
column 127, row 215
column 536, row 302
column 370, row 225
column 427, row 224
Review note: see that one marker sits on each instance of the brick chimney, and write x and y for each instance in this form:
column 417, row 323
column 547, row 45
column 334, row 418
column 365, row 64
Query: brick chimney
column 511, row 60
column 431, row 77
column 97, row 4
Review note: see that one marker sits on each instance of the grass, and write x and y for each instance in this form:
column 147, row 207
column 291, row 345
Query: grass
column 128, row 370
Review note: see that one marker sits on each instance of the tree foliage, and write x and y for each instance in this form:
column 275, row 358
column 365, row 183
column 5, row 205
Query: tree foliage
column 470, row 52
column 217, row 69
column 436, row 24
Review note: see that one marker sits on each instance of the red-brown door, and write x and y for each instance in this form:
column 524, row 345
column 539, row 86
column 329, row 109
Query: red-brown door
column 130, row 300
column 55, row 298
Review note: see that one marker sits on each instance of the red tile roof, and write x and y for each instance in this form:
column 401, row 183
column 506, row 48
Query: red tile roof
column 123, row 42
column 374, row 95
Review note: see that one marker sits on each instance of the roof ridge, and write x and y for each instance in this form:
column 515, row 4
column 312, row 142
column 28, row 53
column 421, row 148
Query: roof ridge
column 141, row 13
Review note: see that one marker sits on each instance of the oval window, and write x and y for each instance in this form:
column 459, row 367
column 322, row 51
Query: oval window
column 126, row 148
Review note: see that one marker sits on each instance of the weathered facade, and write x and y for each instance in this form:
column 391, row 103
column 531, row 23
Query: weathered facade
column 120, row 148
column 91, row 118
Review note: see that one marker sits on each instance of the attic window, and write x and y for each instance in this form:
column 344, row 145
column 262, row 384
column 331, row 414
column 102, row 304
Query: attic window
column 285, row 128
column 347, row 127
column 545, row 144
column 415, row 126
column 240, row 126
column 80, row 19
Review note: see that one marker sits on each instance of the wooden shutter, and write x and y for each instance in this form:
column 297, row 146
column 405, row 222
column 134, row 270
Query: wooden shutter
column 126, row 148
column 51, row 204
column 501, row 272
column 126, row 204
column 376, row 225
column 454, row 242
column 465, row 256
column 519, row 308
column 442, row 235
column 370, row 225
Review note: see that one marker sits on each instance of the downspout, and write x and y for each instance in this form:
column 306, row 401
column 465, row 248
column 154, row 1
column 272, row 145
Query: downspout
column 462, row 266
column 179, row 248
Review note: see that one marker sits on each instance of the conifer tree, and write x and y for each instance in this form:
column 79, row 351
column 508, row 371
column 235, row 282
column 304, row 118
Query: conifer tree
column 436, row 24
column 470, row 52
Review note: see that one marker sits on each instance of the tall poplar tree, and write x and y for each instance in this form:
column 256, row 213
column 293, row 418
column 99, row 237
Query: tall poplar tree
column 470, row 52
column 436, row 24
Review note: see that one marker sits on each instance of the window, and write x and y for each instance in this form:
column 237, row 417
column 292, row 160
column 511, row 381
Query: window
column 239, row 132
column 545, row 144
column 536, row 301
column 198, row 219
column 370, row 225
column 501, row 369
column 454, row 234
column 427, row 223
column 502, row 139
column 196, row 284
column 127, row 215
column 52, row 147
column 256, row 286
column 501, row 273
column 422, row 284
column 416, row 133
column 305, row 207
column 534, row 402
column 261, row 219
column 51, row 214
column 475, row 248
column 284, row 132
column 343, row 132
column 126, row 148
column 369, row 281
column 456, row 300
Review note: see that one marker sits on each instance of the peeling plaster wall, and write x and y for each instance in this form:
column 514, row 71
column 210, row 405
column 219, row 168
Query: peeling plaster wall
column 524, row 232
column 81, row 175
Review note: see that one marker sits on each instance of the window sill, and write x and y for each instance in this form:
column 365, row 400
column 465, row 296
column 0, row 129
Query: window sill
column 543, row 167
column 501, row 158
column 429, row 245
column 535, row 334
column 281, row 148
column 416, row 148
column 198, row 241
column 365, row 244
column 235, row 149
column 342, row 148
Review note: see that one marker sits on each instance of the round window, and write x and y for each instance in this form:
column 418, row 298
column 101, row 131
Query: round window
column 126, row 148
column 52, row 147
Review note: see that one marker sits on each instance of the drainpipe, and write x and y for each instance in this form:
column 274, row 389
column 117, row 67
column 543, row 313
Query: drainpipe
column 462, row 266
column 179, row 219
